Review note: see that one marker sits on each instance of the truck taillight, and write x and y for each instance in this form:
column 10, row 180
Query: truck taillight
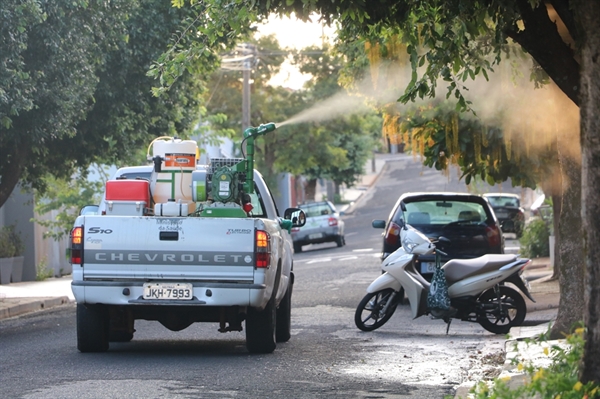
column 392, row 234
column 263, row 249
column 333, row 222
column 76, row 245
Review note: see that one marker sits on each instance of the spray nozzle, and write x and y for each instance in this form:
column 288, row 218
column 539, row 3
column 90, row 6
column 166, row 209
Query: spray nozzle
column 260, row 130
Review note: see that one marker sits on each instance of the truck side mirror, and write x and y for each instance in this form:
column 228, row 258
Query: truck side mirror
column 296, row 215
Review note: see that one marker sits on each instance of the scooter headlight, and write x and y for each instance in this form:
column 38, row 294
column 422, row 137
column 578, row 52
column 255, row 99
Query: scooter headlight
column 409, row 245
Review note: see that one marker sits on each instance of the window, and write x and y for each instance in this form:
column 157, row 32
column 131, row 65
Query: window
column 443, row 212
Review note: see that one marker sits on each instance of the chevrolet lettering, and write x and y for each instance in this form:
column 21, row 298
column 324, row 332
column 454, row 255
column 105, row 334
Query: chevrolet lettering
column 158, row 257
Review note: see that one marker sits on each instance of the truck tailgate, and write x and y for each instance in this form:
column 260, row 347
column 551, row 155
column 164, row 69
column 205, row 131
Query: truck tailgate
column 170, row 248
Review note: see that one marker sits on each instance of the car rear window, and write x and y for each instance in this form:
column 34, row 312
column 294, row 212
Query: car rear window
column 314, row 210
column 503, row 201
column 439, row 212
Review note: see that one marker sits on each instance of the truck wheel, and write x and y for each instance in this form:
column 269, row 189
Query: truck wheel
column 260, row 328
column 284, row 316
column 92, row 329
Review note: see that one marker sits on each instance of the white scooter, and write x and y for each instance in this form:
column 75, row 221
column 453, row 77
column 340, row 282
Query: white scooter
column 476, row 287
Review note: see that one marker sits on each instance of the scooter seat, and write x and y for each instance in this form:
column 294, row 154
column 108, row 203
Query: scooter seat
column 458, row 269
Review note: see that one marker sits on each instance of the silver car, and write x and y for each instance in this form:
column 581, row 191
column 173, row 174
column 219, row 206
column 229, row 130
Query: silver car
column 323, row 224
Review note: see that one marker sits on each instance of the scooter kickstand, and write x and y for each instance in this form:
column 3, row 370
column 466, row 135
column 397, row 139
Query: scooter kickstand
column 448, row 325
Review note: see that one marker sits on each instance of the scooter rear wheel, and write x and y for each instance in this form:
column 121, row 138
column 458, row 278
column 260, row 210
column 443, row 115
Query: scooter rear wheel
column 498, row 314
column 369, row 316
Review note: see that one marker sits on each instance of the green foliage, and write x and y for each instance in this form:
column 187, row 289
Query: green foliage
column 75, row 89
column 7, row 248
column 558, row 381
column 481, row 151
column 535, row 240
column 42, row 272
column 336, row 149
column 66, row 198
column 11, row 243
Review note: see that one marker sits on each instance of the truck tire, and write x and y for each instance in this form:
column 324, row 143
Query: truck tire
column 92, row 329
column 260, row 328
column 284, row 316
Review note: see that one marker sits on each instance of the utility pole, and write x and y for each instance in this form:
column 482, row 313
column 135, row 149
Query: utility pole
column 243, row 58
column 246, row 95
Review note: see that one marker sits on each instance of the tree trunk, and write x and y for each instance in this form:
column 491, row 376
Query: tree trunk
column 310, row 189
column 588, row 15
column 569, row 249
column 557, row 203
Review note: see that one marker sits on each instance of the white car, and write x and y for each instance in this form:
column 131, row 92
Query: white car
column 323, row 224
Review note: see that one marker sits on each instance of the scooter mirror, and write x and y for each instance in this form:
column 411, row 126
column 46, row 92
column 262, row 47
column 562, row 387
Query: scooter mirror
column 402, row 206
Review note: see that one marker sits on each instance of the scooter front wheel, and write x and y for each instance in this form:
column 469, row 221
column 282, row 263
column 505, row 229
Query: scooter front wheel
column 372, row 311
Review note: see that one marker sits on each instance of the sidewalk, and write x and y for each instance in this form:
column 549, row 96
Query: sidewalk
column 31, row 296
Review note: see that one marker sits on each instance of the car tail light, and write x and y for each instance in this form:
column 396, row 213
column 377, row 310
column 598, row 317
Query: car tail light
column 493, row 235
column 263, row 249
column 333, row 221
column 77, row 245
column 392, row 234
column 295, row 229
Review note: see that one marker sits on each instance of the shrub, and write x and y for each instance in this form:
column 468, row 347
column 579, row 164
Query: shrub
column 7, row 248
column 559, row 380
column 11, row 243
column 42, row 270
column 535, row 240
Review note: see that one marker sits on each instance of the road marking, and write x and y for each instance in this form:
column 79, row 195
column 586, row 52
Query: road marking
column 363, row 250
column 310, row 262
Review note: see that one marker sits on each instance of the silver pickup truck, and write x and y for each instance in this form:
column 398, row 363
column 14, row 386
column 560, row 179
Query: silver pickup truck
column 131, row 263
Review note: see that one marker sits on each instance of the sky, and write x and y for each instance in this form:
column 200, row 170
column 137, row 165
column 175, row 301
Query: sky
column 293, row 33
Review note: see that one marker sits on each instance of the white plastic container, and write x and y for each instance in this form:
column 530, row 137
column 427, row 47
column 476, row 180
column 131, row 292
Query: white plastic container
column 174, row 181
column 171, row 208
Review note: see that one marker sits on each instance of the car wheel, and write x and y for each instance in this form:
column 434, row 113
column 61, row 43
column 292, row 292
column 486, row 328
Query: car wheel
column 260, row 328
column 340, row 241
column 297, row 248
column 92, row 328
column 498, row 313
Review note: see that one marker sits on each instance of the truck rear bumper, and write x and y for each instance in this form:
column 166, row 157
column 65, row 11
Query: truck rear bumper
column 205, row 294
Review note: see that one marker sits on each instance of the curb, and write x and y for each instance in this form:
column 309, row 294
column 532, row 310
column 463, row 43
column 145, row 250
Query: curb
column 19, row 306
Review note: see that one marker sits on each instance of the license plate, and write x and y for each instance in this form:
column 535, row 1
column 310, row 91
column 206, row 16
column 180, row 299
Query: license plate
column 427, row 267
column 168, row 291
column 315, row 236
